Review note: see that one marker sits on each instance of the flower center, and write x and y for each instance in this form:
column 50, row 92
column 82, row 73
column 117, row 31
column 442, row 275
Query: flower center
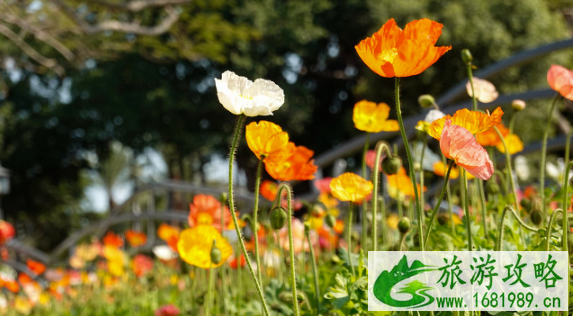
column 388, row 55
column 246, row 97
column 204, row 219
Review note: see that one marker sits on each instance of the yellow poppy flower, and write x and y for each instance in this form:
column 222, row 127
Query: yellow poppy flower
column 513, row 143
column 266, row 140
column 350, row 187
column 195, row 244
column 373, row 118
column 440, row 169
column 475, row 122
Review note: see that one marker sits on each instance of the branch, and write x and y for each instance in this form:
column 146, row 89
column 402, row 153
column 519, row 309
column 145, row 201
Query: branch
column 136, row 6
column 39, row 34
column 114, row 25
column 30, row 51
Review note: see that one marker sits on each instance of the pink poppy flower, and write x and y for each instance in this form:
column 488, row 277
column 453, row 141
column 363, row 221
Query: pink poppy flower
column 167, row 310
column 459, row 144
column 323, row 185
column 371, row 157
column 561, row 80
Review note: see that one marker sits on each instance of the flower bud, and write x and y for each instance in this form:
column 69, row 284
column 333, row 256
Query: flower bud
column 518, row 105
column 306, row 227
column 536, row 204
column 467, row 56
column 492, row 188
column 330, row 220
column 526, row 204
column 215, row 254
column 443, row 219
column 426, row 101
column 223, row 198
column 278, row 218
column 536, row 217
column 404, row 225
column 391, row 165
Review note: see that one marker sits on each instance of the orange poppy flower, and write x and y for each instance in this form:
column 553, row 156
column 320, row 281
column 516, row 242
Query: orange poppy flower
column 266, row 140
column 392, row 52
column 373, row 118
column 298, row 165
column 7, row 231
column 473, row 121
column 195, row 244
column 23, row 278
column 400, row 184
column 207, row 210
column 35, row 266
column 560, row 79
column 269, row 190
column 459, row 144
column 490, row 137
column 111, row 239
column 169, row 234
column 135, row 238
column 236, row 263
column 513, row 143
column 440, row 169
column 11, row 285
column 350, row 187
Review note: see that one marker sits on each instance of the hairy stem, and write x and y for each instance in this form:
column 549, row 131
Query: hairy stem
column 380, row 146
column 437, row 207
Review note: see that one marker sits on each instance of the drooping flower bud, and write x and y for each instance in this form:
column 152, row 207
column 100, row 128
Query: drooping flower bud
column 278, row 218
column 426, row 101
column 330, row 220
column 215, row 253
column 518, row 105
column 391, row 165
column 404, row 225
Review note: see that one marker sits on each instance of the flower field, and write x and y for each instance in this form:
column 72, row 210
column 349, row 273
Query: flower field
column 446, row 184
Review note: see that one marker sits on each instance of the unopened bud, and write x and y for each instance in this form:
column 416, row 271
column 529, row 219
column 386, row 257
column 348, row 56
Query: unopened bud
column 526, row 204
column 536, row 217
column 330, row 220
column 467, row 56
column 404, row 225
column 215, row 253
column 518, row 105
column 492, row 187
column 426, row 101
column 223, row 198
column 391, row 165
column 278, row 218
column 536, row 204
column 306, row 227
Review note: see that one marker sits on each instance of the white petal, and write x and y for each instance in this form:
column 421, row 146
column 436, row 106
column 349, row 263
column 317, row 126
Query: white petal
column 434, row 115
column 274, row 95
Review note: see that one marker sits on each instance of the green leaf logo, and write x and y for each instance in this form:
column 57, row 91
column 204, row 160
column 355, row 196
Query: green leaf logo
column 387, row 280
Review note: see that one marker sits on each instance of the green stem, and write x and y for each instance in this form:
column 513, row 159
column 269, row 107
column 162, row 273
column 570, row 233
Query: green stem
column 437, row 207
column 470, row 76
column 509, row 169
column 380, row 146
column 567, row 148
column 450, row 208
column 256, row 220
column 502, row 180
column 209, row 301
column 349, row 235
column 292, row 280
column 424, row 143
column 564, row 205
column 402, row 240
column 483, row 206
column 502, row 222
column 410, row 163
column 236, row 137
column 314, row 272
column 467, row 209
column 544, row 155
column 363, row 238
column 550, row 227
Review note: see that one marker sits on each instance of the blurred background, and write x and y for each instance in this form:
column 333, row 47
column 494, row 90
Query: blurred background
column 101, row 97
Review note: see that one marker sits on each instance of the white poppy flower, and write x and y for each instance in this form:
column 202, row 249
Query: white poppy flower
column 240, row 95
column 164, row 252
column 434, row 115
column 521, row 168
column 485, row 90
